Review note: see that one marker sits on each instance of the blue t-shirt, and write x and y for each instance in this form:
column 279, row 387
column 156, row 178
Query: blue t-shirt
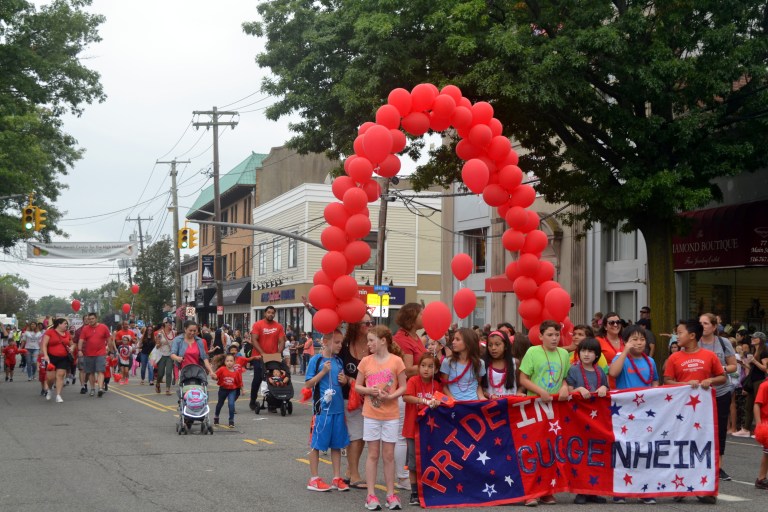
column 629, row 379
column 329, row 380
column 466, row 387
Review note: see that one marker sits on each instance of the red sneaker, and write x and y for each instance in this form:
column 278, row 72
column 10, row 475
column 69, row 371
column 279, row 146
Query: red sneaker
column 317, row 484
column 339, row 484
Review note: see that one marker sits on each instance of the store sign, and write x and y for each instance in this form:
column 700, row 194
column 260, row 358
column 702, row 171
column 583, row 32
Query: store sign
column 725, row 237
column 277, row 295
column 207, row 271
column 396, row 294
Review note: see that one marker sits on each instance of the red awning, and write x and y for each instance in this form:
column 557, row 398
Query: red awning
column 498, row 284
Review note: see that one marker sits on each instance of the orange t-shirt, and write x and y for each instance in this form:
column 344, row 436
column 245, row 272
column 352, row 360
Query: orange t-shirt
column 684, row 366
column 381, row 375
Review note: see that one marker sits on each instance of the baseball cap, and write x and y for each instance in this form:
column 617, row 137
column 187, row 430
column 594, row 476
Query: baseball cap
column 759, row 335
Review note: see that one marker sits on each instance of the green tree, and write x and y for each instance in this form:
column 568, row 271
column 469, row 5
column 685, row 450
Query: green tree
column 53, row 306
column 41, row 79
column 13, row 299
column 155, row 279
column 630, row 109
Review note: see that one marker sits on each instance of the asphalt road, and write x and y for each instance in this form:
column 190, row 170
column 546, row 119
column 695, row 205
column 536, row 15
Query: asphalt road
column 121, row 453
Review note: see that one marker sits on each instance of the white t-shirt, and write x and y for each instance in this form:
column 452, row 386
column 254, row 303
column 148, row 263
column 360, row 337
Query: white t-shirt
column 32, row 339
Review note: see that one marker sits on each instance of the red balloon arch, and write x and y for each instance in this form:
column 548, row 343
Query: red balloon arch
column 490, row 169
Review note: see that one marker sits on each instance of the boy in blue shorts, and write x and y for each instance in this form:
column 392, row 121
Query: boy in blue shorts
column 325, row 375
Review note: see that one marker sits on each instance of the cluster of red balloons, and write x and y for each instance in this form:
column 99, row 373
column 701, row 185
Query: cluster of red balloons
column 490, row 169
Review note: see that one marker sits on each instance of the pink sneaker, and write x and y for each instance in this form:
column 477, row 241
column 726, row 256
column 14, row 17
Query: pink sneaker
column 372, row 502
column 393, row 502
column 339, row 484
column 317, row 484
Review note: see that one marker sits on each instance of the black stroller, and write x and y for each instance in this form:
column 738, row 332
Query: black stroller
column 193, row 400
column 277, row 396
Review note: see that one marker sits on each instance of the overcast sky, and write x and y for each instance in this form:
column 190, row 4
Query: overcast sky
column 159, row 61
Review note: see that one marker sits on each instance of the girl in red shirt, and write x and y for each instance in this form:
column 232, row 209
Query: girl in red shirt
column 56, row 346
column 230, row 383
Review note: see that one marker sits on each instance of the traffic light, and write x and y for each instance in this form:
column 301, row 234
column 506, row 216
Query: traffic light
column 40, row 218
column 192, row 238
column 28, row 218
column 183, row 238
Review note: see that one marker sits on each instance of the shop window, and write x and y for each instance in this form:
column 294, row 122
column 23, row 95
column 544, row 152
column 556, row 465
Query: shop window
column 478, row 315
column 277, row 255
column 621, row 246
column 373, row 242
column 475, row 245
column 262, row 258
column 293, row 256
column 624, row 303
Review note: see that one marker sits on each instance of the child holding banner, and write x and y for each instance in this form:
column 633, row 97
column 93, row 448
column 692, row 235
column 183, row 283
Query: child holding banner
column 542, row 372
column 501, row 377
column 381, row 376
column 694, row 366
column 462, row 370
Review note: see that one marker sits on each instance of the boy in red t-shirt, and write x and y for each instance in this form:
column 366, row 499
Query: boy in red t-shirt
column 42, row 375
column 10, row 352
column 419, row 394
column 761, row 413
column 230, row 383
column 110, row 362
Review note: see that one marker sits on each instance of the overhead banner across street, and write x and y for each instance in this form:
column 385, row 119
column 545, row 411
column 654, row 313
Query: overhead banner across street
column 83, row 250
column 645, row 443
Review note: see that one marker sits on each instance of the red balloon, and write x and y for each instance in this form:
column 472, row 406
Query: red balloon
column 466, row 151
column 76, row 305
column 544, row 289
column 535, row 242
column 545, row 273
column 512, row 240
column 135, row 289
column 558, row 302
column 340, row 185
column 422, row 97
column 444, row 106
column 321, row 296
column 355, row 199
column 502, row 210
column 358, row 226
column 389, row 116
column 372, row 190
column 452, row 91
column 364, row 127
column 126, row 308
column 534, row 335
column 475, row 175
column 334, row 264
column 357, row 145
column 360, row 169
column 336, row 215
column 464, row 302
column 495, row 195
column 357, row 252
column 416, row 123
column 480, row 135
column 377, row 143
column 512, row 271
column 464, row 102
column 532, row 223
column 389, row 167
column 436, row 319
column 345, row 288
column 439, row 124
column 529, row 264
column 326, row 320
column 530, row 308
column 333, row 238
column 495, row 126
column 499, row 147
column 510, row 177
column 321, row 277
column 462, row 118
column 566, row 333
column 482, row 113
column 524, row 287
column 352, row 310
column 461, row 266
column 398, row 141
column 401, row 100
column 511, row 159
column 516, row 217
column 523, row 196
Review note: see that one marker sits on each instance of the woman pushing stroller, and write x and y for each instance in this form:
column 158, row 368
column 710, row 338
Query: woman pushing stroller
column 188, row 348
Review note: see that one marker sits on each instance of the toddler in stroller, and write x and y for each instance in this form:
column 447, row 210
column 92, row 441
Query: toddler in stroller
column 193, row 400
column 279, row 389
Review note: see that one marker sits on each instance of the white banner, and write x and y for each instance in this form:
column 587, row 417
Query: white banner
column 83, row 250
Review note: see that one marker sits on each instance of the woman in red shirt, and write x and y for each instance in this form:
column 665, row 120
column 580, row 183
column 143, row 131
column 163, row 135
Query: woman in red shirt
column 56, row 345
column 409, row 320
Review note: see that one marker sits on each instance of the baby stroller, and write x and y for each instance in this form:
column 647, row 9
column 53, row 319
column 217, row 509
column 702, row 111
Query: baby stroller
column 277, row 397
column 193, row 400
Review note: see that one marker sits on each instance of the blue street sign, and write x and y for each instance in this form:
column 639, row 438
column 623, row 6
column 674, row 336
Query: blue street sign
column 382, row 288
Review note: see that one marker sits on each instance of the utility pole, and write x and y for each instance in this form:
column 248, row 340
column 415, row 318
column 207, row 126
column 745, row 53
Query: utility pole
column 141, row 235
column 381, row 235
column 176, row 252
column 218, row 271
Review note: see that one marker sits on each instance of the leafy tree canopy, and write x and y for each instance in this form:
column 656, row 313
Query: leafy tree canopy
column 155, row 279
column 13, row 298
column 41, row 78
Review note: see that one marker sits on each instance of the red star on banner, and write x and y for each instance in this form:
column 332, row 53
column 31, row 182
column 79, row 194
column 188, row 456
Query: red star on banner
column 431, row 423
column 429, row 448
column 694, row 401
column 638, row 399
column 460, row 488
column 678, row 481
column 649, row 429
column 703, row 480
column 668, row 398
column 497, row 441
column 493, row 472
column 697, row 426
column 627, row 479
column 623, row 429
column 509, row 457
column 631, row 417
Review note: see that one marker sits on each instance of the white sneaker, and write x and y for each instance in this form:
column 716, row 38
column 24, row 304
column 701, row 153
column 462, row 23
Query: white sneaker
column 59, row 399
column 48, row 395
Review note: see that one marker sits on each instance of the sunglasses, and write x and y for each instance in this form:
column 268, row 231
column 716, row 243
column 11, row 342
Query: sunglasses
column 613, row 322
column 367, row 323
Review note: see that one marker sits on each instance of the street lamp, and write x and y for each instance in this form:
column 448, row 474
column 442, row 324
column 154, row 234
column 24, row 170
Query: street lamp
column 186, row 295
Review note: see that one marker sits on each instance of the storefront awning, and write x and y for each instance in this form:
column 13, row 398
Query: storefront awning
column 235, row 292
column 498, row 284
column 724, row 237
column 202, row 296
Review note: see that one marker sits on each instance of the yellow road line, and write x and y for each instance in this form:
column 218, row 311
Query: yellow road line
column 137, row 400
column 266, row 441
column 159, row 404
column 250, row 441
column 378, row 486
column 324, row 460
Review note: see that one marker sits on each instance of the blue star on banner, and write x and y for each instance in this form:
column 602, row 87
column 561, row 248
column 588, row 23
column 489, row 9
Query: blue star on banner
column 615, row 409
column 593, row 480
column 650, row 413
column 680, row 417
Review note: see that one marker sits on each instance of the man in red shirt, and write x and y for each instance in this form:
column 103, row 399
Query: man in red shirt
column 267, row 337
column 92, row 347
